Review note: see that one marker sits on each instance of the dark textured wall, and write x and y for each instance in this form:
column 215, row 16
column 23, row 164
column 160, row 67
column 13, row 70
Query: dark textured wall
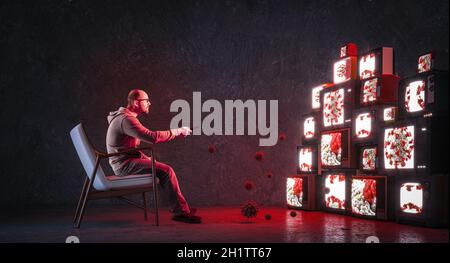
column 66, row 61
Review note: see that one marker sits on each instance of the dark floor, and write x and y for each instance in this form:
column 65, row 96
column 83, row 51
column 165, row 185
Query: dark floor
column 220, row 224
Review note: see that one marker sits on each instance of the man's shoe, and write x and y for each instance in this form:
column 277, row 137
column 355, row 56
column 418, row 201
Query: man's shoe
column 187, row 218
column 178, row 213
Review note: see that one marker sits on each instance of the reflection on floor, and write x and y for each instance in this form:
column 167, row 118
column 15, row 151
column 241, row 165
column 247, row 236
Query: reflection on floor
column 220, row 224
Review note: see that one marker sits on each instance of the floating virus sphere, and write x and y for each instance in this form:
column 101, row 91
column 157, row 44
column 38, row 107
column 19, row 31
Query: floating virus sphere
column 211, row 148
column 327, row 190
column 259, row 156
column 282, row 137
column 269, row 174
column 268, row 217
column 249, row 209
column 293, row 213
column 248, row 185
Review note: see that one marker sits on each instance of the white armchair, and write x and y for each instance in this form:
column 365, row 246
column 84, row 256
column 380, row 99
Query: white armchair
column 110, row 186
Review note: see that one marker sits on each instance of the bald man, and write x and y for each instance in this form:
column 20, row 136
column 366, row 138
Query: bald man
column 125, row 131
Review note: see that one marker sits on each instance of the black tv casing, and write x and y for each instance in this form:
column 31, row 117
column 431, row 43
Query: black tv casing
column 384, row 61
column 349, row 104
column 439, row 60
column 348, row 161
column 436, row 94
column 431, row 144
column 348, row 173
column 385, row 197
column 435, row 201
column 309, row 201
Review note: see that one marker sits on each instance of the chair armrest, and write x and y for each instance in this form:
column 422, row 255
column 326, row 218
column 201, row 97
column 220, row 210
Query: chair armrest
column 106, row 155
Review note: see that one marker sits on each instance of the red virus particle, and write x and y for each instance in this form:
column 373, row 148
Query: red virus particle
column 268, row 217
column 269, row 174
column 211, row 148
column 259, row 156
column 293, row 213
column 248, row 185
column 249, row 209
column 282, row 137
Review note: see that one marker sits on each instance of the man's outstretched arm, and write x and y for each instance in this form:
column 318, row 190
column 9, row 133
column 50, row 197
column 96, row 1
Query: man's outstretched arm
column 134, row 128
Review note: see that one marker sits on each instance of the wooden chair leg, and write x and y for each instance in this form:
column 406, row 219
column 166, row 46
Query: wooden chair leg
column 83, row 206
column 155, row 188
column 144, row 198
column 155, row 199
column 83, row 192
column 86, row 194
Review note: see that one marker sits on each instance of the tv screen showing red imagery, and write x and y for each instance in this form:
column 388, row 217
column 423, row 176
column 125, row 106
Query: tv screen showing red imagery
column 364, row 197
column 331, row 149
column 333, row 108
column 399, row 148
column 294, row 191
column 411, row 198
column 335, row 191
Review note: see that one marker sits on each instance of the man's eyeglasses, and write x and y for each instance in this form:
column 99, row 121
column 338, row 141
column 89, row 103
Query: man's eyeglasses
column 146, row 100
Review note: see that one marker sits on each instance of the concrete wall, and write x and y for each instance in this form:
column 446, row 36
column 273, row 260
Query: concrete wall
column 63, row 62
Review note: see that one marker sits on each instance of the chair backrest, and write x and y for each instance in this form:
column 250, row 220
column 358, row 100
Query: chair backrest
column 86, row 153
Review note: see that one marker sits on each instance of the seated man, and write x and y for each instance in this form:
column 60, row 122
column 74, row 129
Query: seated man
column 125, row 132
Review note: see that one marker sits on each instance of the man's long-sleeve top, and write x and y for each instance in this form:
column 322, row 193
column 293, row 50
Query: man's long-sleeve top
column 125, row 131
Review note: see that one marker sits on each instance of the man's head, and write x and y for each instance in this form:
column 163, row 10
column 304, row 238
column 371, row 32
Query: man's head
column 138, row 101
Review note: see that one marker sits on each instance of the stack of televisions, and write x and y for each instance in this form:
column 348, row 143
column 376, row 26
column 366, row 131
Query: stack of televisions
column 375, row 146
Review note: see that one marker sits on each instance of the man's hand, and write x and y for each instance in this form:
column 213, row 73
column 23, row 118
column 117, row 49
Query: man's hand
column 183, row 131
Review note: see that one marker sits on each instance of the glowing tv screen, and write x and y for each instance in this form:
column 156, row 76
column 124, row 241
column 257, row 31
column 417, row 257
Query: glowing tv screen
column 411, row 198
column 316, row 97
column 294, row 191
column 364, row 197
column 344, row 69
column 369, row 159
column 415, row 96
column 363, row 125
column 309, row 128
column 424, row 63
column 331, row 149
column 335, row 191
column 367, row 66
column 305, row 159
column 399, row 148
column 333, row 108
column 369, row 90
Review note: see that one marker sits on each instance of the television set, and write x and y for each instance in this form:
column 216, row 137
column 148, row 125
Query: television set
column 423, row 200
column 337, row 105
column 336, row 150
column 368, row 159
column 424, row 95
column 414, row 146
column 315, row 95
column 433, row 61
column 371, row 197
column 310, row 128
column 390, row 113
column 349, row 50
column 379, row 90
column 301, row 192
column 335, row 191
column 307, row 159
column 366, row 122
column 376, row 63
column 345, row 69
